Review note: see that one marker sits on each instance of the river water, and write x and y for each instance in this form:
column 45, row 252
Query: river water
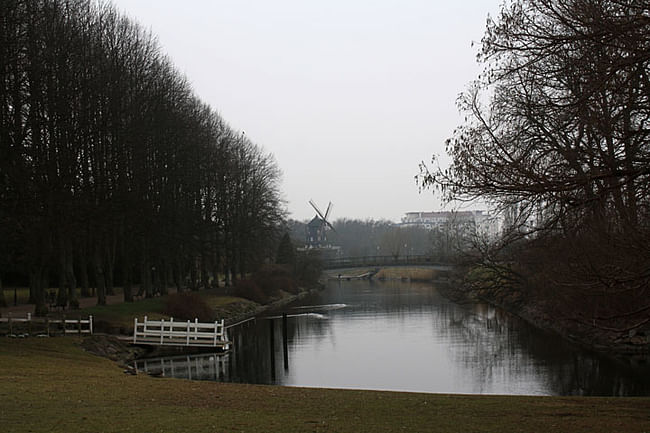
column 405, row 336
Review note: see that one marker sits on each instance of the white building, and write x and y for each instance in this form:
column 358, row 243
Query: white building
column 481, row 220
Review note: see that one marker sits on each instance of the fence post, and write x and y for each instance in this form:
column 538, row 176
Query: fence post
column 79, row 324
column 135, row 329
column 215, row 333
column 162, row 330
column 90, row 324
column 188, row 333
column 11, row 325
column 29, row 323
column 171, row 328
column 196, row 328
column 64, row 325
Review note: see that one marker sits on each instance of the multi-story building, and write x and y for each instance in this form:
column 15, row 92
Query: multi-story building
column 444, row 220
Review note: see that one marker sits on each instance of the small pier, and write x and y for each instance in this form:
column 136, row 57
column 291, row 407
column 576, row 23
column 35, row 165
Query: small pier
column 179, row 333
column 364, row 276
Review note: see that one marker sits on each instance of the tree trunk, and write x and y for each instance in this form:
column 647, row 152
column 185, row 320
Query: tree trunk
column 145, row 277
column 205, row 278
column 215, row 270
column 127, row 285
column 62, row 293
column 37, row 288
column 193, row 276
column 3, row 302
column 110, row 265
column 83, row 274
column 73, row 301
column 178, row 276
column 100, row 281
column 164, row 278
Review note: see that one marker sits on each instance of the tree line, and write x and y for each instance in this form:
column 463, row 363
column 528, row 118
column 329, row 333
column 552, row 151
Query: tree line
column 111, row 169
column 557, row 137
column 360, row 238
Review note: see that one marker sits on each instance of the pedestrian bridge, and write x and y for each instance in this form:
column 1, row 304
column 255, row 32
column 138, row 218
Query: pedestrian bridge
column 385, row 261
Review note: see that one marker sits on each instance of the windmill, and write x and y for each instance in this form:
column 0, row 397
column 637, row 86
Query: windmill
column 317, row 226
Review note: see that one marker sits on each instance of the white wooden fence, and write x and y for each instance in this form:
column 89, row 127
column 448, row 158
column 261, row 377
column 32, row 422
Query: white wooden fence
column 178, row 333
column 45, row 325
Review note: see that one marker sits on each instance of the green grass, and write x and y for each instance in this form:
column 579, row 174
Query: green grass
column 52, row 385
column 120, row 316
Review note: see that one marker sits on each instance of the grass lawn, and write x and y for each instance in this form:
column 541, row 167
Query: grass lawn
column 121, row 315
column 53, row 385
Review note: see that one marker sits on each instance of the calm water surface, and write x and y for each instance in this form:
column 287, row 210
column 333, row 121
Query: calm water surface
column 407, row 337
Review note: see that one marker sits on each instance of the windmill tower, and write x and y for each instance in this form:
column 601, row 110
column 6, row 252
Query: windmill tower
column 317, row 227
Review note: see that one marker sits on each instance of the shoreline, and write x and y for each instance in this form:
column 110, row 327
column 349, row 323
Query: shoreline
column 75, row 391
column 607, row 344
column 116, row 346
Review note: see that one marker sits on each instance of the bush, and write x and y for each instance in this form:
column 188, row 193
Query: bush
column 188, row 306
column 309, row 267
column 249, row 289
column 274, row 279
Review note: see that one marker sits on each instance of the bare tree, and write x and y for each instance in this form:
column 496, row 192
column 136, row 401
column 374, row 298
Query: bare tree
column 557, row 135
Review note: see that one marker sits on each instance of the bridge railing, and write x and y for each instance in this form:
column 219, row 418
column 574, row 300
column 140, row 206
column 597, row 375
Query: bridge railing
column 355, row 262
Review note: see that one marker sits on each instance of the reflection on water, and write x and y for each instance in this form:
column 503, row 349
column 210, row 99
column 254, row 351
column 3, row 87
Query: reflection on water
column 405, row 336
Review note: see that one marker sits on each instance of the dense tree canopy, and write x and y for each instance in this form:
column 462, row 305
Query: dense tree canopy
column 557, row 136
column 111, row 167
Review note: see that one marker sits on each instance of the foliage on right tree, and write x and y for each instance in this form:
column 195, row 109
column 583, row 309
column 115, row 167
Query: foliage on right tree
column 557, row 137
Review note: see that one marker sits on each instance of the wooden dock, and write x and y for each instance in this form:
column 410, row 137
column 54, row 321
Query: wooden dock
column 179, row 333
column 365, row 276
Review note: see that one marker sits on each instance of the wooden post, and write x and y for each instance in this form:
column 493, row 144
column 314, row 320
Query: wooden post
column 188, row 334
column 144, row 327
column 11, row 326
column 272, row 338
column 196, row 328
column 64, row 325
column 29, row 323
column 215, row 333
column 285, row 343
column 90, row 324
column 135, row 330
column 79, row 324
column 171, row 328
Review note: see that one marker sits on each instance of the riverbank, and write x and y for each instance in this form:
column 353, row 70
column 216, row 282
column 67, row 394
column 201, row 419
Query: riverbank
column 54, row 385
column 633, row 346
column 116, row 317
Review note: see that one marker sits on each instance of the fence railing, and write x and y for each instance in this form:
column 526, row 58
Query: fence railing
column 179, row 333
column 406, row 260
column 46, row 326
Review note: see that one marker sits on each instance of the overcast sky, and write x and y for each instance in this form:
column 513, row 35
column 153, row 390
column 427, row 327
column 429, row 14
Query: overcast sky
column 348, row 95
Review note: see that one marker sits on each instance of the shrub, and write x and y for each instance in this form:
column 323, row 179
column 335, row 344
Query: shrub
column 188, row 306
column 249, row 289
column 273, row 279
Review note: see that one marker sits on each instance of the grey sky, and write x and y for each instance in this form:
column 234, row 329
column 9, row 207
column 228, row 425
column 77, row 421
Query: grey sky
column 348, row 95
